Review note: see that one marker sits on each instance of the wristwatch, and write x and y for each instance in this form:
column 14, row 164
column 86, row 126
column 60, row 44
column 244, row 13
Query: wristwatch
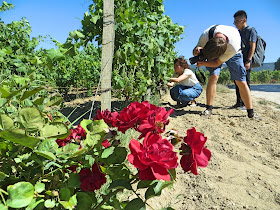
column 248, row 61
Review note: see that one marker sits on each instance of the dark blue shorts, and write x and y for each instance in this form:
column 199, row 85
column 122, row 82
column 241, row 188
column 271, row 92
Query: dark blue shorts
column 236, row 68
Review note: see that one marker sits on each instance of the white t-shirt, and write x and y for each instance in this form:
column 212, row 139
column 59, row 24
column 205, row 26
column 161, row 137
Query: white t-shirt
column 233, row 46
column 190, row 81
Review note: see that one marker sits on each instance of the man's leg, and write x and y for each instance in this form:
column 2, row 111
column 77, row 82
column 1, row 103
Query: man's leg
column 211, row 89
column 245, row 93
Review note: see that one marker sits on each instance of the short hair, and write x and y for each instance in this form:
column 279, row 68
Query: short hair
column 214, row 48
column 181, row 62
column 241, row 13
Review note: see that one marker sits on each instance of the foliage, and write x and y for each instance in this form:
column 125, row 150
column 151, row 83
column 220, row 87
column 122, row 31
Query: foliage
column 224, row 77
column 46, row 165
column 144, row 44
column 277, row 64
column 81, row 69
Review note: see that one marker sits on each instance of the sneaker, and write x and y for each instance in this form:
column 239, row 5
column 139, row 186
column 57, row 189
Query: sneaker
column 237, row 105
column 206, row 113
column 193, row 103
column 255, row 117
column 242, row 108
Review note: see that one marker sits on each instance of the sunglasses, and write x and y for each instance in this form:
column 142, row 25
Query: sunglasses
column 237, row 21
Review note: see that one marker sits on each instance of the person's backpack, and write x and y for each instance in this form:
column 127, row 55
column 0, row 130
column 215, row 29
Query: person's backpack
column 259, row 56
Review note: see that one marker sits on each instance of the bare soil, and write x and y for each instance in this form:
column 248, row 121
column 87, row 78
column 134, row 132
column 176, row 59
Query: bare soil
column 244, row 171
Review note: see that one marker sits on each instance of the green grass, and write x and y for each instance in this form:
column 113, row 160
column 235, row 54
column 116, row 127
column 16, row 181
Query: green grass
column 222, row 88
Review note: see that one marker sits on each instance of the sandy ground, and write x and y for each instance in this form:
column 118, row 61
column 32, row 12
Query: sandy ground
column 244, row 171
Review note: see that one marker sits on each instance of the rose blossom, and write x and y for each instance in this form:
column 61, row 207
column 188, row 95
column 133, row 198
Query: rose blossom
column 110, row 118
column 156, row 122
column 194, row 152
column 153, row 158
column 106, row 143
column 92, row 179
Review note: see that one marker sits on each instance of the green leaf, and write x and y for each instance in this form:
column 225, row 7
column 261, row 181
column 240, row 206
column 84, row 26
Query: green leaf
column 4, row 92
column 49, row 145
column 64, row 194
column 39, row 101
column 118, row 156
column 144, row 184
column 20, row 194
column 84, row 201
column 54, row 101
column 136, row 203
column 55, row 129
column 85, row 123
column 97, row 126
column 29, row 93
column 6, row 122
column 46, row 154
column 31, row 119
column 3, row 176
column 96, row 131
column 120, row 184
column 18, row 136
column 34, row 203
column 107, row 152
column 49, row 203
column 69, row 204
column 78, row 152
column 39, row 187
column 74, row 180
column 156, row 188
column 2, row 207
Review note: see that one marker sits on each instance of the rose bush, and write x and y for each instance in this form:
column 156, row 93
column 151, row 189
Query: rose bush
column 90, row 165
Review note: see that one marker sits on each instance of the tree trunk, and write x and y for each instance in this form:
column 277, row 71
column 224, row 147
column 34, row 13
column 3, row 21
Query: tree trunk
column 108, row 37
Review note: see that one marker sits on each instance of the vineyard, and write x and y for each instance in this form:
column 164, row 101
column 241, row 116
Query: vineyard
column 50, row 162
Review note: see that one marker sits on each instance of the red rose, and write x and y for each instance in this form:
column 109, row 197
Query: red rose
column 92, row 179
column 194, row 152
column 81, row 132
column 153, row 158
column 110, row 118
column 106, row 143
column 156, row 122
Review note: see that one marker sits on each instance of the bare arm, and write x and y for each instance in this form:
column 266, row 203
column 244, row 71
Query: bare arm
column 180, row 78
column 212, row 63
column 250, row 55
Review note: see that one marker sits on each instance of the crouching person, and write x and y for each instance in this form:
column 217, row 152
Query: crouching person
column 185, row 86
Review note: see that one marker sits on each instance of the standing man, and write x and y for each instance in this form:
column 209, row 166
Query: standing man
column 248, row 46
column 223, row 47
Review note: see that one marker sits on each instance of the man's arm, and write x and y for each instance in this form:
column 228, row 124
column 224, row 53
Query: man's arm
column 212, row 63
column 250, row 55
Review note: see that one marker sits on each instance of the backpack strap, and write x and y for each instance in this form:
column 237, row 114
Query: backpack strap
column 211, row 32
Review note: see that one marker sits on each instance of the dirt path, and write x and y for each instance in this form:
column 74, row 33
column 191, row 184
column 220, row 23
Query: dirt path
column 244, row 172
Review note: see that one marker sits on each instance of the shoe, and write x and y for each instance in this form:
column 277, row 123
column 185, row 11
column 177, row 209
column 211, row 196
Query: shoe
column 193, row 103
column 237, row 105
column 242, row 108
column 206, row 113
column 255, row 117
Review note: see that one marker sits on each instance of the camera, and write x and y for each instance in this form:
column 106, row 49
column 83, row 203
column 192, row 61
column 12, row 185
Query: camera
column 199, row 57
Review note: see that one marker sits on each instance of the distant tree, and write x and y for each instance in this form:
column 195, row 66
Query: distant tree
column 277, row 64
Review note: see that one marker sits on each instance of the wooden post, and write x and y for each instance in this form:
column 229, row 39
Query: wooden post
column 108, row 38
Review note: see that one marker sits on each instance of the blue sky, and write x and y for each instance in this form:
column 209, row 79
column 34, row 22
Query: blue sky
column 58, row 17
